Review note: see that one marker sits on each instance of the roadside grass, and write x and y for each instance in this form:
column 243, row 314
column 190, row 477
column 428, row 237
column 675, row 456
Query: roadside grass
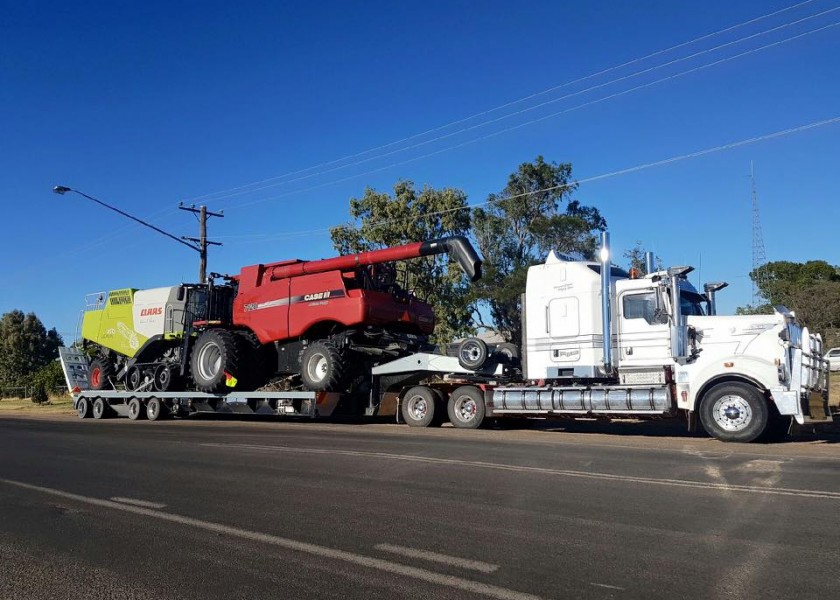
column 57, row 404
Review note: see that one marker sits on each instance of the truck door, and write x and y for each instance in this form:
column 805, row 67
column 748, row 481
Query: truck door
column 642, row 339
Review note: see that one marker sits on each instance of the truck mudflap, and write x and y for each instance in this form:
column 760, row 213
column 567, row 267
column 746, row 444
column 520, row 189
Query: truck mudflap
column 624, row 400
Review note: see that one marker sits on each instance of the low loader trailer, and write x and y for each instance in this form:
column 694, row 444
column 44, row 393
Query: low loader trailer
column 597, row 342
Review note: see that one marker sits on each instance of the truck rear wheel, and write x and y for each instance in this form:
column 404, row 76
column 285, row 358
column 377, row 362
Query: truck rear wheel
column 322, row 367
column 466, row 407
column 734, row 412
column 100, row 373
column 216, row 361
column 420, row 406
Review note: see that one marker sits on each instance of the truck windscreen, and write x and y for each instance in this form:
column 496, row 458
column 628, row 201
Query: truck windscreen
column 692, row 304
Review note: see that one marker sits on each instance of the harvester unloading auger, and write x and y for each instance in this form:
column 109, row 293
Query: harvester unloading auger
column 325, row 320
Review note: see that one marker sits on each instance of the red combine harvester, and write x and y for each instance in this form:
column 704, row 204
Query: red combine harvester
column 326, row 320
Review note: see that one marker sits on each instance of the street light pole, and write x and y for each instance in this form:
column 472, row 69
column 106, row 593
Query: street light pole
column 198, row 244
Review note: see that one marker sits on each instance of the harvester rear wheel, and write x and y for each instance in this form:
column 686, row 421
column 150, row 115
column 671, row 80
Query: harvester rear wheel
column 100, row 372
column 322, row 367
column 216, row 361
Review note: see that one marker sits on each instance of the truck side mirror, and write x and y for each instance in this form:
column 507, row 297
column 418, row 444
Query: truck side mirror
column 660, row 312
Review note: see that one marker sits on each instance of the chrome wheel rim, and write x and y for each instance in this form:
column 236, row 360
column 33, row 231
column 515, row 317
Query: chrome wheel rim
column 732, row 413
column 465, row 408
column 417, row 407
column 470, row 352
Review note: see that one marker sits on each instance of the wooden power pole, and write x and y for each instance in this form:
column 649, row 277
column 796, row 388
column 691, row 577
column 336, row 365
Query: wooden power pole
column 203, row 214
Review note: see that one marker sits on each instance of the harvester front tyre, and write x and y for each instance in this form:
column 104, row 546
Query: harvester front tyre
column 100, row 373
column 419, row 406
column 472, row 353
column 216, row 360
column 100, row 409
column 734, row 412
column 135, row 409
column 322, row 367
column 83, row 408
column 466, row 407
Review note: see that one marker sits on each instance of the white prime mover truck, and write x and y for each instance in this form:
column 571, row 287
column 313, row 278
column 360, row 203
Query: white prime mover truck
column 597, row 342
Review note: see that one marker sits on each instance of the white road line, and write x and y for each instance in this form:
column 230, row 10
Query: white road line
column 609, row 587
column 321, row 552
column 685, row 483
column 464, row 563
column 143, row 503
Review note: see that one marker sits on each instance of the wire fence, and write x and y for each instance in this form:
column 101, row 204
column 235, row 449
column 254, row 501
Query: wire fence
column 25, row 391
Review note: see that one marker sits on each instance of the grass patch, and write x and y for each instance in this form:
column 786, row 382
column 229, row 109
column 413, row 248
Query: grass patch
column 56, row 405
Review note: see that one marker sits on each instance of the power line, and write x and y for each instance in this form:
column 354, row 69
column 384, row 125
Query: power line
column 617, row 173
column 220, row 194
column 542, row 118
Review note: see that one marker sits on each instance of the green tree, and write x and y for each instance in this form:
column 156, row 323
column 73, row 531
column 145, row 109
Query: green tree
column 636, row 259
column 25, row 346
column 533, row 214
column 382, row 220
column 811, row 289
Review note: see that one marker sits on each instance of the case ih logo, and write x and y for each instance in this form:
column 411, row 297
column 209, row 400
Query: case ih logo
column 151, row 312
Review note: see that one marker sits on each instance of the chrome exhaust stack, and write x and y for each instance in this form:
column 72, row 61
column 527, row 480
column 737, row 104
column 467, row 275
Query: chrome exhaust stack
column 710, row 289
column 604, row 255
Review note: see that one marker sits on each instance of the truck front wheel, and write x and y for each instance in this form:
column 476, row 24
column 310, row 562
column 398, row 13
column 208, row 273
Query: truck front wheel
column 466, row 407
column 734, row 412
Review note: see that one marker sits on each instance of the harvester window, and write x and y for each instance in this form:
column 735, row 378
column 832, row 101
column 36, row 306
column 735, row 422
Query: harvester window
column 640, row 306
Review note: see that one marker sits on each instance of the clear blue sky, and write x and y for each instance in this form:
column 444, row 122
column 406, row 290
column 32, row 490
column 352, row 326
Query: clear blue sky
column 146, row 104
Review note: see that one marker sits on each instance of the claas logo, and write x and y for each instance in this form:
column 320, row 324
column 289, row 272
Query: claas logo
column 151, row 312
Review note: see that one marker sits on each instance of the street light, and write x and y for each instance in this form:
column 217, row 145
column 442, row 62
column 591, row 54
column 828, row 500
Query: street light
column 201, row 247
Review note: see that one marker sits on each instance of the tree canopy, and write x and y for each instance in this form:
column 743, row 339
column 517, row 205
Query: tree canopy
column 381, row 220
column 533, row 214
column 811, row 289
column 25, row 346
column 636, row 259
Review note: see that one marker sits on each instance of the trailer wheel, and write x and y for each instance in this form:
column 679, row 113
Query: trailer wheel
column 419, row 406
column 99, row 408
column 216, row 361
column 154, row 409
column 83, row 408
column 734, row 412
column 466, row 407
column 135, row 409
column 472, row 353
column 322, row 367
column 100, row 372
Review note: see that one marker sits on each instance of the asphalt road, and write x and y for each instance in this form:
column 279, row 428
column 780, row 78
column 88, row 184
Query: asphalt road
column 233, row 509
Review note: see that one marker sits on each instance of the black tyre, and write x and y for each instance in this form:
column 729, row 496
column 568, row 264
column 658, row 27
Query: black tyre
column 466, row 407
column 136, row 410
column 165, row 378
column 419, row 406
column 734, row 412
column 83, row 408
column 256, row 361
column 322, row 367
column 155, row 409
column 100, row 374
column 99, row 409
column 216, row 361
column 472, row 353
column 440, row 407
